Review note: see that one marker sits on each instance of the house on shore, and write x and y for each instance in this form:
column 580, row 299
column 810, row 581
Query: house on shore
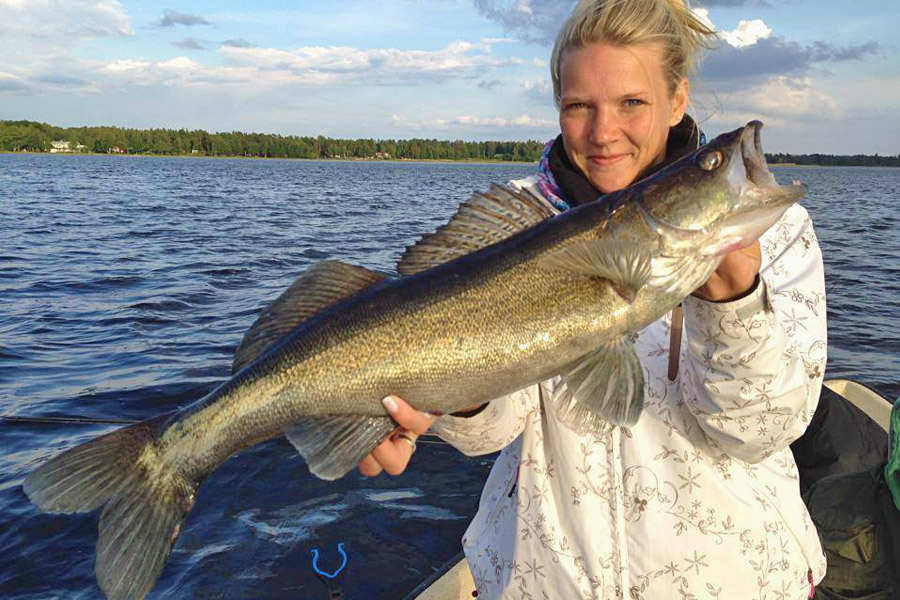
column 60, row 146
column 64, row 146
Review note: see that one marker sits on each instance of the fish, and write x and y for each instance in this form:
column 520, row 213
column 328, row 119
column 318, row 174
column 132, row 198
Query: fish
column 510, row 292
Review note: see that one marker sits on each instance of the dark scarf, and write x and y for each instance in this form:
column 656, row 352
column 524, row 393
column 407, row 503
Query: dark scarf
column 684, row 138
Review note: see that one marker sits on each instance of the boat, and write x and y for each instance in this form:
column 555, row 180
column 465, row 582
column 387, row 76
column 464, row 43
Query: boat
column 453, row 580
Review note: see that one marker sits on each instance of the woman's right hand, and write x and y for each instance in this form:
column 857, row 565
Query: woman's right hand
column 393, row 454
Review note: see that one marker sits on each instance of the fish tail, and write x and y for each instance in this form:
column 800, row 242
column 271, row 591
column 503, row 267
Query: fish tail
column 145, row 502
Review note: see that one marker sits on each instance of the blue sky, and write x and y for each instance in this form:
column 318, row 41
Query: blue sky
column 824, row 75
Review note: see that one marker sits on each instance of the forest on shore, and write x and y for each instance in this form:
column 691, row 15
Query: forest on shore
column 31, row 136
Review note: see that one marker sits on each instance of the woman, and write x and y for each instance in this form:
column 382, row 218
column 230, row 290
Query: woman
column 700, row 498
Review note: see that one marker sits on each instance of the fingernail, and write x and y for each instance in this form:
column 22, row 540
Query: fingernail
column 390, row 404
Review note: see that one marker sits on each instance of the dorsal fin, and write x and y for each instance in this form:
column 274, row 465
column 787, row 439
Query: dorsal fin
column 485, row 219
column 320, row 286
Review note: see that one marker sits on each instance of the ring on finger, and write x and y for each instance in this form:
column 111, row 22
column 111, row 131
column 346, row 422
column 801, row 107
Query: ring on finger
column 408, row 439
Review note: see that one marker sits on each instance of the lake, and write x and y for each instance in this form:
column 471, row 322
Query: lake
column 127, row 282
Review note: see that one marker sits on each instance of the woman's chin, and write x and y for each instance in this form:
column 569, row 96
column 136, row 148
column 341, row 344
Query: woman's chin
column 611, row 182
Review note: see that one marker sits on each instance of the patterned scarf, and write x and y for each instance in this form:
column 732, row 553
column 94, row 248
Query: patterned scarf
column 547, row 183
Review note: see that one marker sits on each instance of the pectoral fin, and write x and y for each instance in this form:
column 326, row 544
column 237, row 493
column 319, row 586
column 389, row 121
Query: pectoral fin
column 333, row 445
column 624, row 264
column 606, row 386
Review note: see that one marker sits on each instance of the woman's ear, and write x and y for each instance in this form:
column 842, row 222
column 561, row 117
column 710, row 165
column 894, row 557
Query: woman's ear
column 680, row 101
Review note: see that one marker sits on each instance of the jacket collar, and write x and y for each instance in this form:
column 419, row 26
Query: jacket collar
column 683, row 139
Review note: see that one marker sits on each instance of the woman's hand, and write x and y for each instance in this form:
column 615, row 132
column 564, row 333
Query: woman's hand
column 735, row 276
column 393, row 454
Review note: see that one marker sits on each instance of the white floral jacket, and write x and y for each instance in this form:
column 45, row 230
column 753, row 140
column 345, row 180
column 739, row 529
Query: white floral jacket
column 700, row 499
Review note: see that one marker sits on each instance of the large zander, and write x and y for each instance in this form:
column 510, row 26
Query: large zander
column 508, row 293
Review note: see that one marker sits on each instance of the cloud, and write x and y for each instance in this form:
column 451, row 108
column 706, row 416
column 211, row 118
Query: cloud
column 489, row 85
column 12, row 83
column 66, row 21
column 539, row 91
column 782, row 99
column 380, row 65
column 189, row 43
column 237, row 43
column 747, row 33
column 522, row 121
column 172, row 18
column 775, row 56
column 534, row 21
column 63, row 81
column 315, row 65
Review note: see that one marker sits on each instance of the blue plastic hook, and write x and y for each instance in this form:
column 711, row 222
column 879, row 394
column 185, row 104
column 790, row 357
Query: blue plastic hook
column 315, row 562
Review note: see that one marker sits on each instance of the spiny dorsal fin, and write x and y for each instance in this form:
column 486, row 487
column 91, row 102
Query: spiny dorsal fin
column 487, row 218
column 320, row 286
column 625, row 264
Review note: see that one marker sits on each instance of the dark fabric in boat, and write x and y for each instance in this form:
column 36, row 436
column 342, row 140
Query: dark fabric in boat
column 841, row 438
column 841, row 459
column 860, row 530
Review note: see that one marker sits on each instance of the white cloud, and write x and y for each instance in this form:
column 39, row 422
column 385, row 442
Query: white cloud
column 120, row 66
column 12, row 83
column 703, row 15
column 747, row 33
column 540, row 91
column 522, row 121
column 781, row 100
column 380, row 64
column 65, row 21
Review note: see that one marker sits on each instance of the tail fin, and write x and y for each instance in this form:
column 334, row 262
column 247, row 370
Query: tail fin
column 145, row 502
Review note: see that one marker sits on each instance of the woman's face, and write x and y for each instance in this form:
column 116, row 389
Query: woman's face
column 615, row 111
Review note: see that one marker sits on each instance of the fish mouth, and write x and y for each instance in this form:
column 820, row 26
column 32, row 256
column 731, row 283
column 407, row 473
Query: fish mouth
column 756, row 170
column 761, row 199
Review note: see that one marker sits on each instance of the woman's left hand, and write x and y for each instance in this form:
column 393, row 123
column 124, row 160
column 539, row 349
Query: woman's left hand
column 735, row 276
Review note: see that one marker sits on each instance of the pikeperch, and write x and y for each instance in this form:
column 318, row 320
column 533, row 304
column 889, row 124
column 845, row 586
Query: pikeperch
column 510, row 292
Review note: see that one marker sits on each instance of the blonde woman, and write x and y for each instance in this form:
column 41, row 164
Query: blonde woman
column 699, row 499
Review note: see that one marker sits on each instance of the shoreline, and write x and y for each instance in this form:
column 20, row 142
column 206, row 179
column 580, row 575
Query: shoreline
column 483, row 161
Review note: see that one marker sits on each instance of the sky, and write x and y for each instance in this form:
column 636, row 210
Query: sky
column 823, row 75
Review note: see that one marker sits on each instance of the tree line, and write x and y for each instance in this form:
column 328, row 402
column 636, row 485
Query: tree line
column 835, row 160
column 31, row 136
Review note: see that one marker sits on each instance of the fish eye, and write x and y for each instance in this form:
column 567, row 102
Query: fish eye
column 711, row 160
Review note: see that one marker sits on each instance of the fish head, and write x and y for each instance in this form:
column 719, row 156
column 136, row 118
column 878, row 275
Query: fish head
column 720, row 198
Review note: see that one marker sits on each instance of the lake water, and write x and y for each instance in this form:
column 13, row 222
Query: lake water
column 126, row 283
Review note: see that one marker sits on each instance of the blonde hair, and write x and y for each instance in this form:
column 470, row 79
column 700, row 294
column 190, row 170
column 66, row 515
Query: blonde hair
column 670, row 23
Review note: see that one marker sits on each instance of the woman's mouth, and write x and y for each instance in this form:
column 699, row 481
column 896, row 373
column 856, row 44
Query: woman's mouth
column 605, row 161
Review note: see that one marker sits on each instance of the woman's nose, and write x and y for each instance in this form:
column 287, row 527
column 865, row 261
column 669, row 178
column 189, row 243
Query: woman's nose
column 605, row 127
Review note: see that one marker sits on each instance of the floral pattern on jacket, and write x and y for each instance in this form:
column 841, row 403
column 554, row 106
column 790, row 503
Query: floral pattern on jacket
column 700, row 499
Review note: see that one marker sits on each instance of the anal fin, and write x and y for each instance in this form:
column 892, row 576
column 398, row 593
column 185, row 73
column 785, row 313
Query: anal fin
column 333, row 445
column 604, row 387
